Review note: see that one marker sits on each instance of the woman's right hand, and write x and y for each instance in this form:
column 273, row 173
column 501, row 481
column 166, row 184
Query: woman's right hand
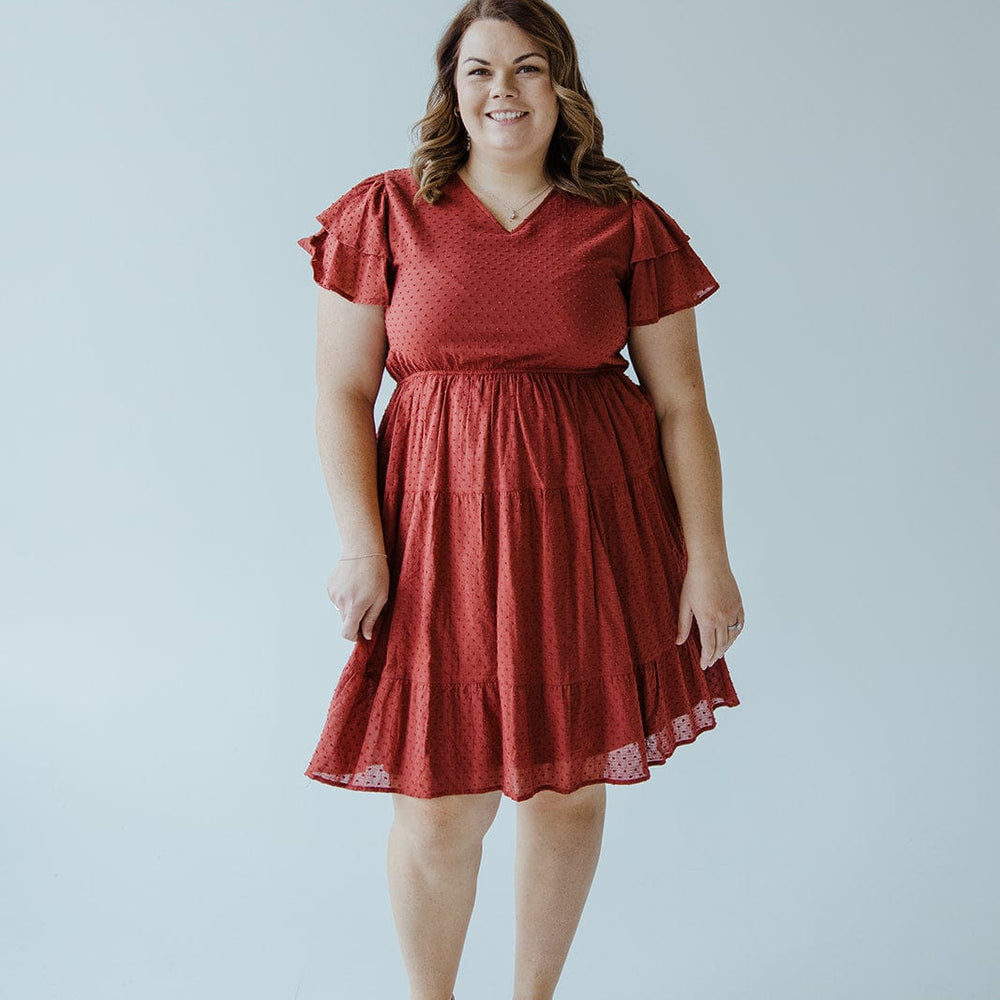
column 359, row 590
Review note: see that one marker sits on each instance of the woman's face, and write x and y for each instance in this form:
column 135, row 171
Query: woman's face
column 500, row 68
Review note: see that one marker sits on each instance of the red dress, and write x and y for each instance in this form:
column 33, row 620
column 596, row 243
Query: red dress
column 533, row 540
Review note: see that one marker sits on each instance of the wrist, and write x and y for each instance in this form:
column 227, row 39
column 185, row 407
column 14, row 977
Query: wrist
column 708, row 558
column 361, row 544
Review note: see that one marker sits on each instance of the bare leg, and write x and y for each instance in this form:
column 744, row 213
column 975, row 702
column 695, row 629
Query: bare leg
column 434, row 851
column 558, row 845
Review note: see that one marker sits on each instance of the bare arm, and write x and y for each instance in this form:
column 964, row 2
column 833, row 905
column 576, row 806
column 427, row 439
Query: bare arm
column 666, row 360
column 350, row 357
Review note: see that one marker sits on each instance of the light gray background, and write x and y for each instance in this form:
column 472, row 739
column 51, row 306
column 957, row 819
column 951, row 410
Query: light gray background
column 169, row 649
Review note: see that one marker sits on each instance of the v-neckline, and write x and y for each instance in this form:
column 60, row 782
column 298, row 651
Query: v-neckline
column 485, row 209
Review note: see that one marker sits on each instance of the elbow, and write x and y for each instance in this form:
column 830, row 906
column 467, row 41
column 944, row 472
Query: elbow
column 342, row 408
column 692, row 408
column 343, row 396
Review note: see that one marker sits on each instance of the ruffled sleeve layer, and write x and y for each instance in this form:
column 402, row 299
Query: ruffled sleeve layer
column 351, row 253
column 666, row 274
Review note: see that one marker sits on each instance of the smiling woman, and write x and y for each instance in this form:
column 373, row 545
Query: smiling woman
column 534, row 571
column 509, row 108
column 507, row 55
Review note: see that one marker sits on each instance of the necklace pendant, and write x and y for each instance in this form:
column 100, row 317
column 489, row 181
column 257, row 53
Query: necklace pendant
column 513, row 215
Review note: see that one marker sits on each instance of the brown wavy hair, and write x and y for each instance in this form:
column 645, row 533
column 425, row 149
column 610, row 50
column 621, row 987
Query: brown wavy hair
column 575, row 161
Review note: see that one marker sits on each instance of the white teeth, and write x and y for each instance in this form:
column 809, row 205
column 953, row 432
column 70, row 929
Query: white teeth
column 506, row 116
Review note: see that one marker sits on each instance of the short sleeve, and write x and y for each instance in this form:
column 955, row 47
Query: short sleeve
column 351, row 253
column 666, row 275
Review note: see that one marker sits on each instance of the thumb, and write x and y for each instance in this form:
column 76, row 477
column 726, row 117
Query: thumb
column 683, row 624
column 367, row 625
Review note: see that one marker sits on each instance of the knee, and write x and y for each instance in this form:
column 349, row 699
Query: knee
column 580, row 807
column 447, row 822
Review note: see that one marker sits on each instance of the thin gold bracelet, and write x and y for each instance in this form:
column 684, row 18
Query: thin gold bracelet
column 372, row 556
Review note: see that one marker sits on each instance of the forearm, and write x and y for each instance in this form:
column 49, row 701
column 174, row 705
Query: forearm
column 691, row 453
column 345, row 434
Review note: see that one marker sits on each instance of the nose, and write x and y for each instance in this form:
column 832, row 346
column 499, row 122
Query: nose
column 504, row 84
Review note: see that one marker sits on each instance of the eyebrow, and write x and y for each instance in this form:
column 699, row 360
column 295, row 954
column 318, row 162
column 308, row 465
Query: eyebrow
column 527, row 55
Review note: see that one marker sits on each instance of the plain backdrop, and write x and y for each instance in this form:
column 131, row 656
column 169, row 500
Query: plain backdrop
column 168, row 647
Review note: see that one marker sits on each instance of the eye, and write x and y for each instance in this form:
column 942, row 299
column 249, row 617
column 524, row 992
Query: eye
column 529, row 67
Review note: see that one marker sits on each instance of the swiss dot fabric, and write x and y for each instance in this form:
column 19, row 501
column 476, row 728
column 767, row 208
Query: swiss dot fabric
column 534, row 543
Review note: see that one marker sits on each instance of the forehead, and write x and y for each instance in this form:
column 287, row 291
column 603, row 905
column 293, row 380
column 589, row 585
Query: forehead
column 497, row 41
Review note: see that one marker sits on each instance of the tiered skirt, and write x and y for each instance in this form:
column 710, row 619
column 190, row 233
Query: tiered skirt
column 536, row 560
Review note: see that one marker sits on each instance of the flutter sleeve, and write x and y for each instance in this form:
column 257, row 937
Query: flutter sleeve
column 351, row 253
column 666, row 275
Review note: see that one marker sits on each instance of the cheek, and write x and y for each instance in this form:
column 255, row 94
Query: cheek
column 468, row 94
column 547, row 96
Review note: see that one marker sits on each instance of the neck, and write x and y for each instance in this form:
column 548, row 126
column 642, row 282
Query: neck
column 512, row 180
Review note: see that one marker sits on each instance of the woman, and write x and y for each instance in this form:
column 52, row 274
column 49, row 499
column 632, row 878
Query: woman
column 520, row 573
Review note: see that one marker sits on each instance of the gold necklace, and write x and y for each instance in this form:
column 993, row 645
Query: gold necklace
column 513, row 211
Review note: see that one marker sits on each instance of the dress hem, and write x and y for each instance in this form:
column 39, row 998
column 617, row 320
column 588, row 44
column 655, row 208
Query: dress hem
column 649, row 764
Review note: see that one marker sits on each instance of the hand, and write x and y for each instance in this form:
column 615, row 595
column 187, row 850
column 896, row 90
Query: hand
column 710, row 596
column 359, row 590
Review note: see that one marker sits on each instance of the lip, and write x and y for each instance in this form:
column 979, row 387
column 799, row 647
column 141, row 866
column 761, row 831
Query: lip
column 504, row 111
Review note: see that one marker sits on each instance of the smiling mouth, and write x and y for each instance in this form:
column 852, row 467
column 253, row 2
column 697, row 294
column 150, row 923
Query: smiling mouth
column 506, row 116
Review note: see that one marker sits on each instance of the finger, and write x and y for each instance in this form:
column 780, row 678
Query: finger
column 376, row 613
column 732, row 634
column 367, row 624
column 351, row 628
column 683, row 625
column 721, row 641
column 707, row 635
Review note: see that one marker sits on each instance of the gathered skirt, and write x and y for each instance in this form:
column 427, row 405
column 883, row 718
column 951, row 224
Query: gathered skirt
column 536, row 560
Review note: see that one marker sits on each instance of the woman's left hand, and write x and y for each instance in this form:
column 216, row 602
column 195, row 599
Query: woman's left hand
column 710, row 596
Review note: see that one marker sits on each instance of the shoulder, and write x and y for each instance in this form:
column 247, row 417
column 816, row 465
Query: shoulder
column 389, row 188
column 366, row 205
column 644, row 210
column 639, row 206
column 636, row 224
column 389, row 194
column 360, row 217
column 654, row 231
column 385, row 184
column 399, row 180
